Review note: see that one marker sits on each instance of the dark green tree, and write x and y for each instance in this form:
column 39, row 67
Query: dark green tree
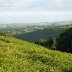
column 64, row 42
column 50, row 43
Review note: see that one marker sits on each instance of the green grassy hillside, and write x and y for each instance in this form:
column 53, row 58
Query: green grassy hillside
column 21, row 56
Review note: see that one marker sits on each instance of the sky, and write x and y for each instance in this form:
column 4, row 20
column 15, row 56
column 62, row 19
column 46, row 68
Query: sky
column 25, row 11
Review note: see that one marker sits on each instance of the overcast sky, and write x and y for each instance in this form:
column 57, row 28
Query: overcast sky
column 12, row 11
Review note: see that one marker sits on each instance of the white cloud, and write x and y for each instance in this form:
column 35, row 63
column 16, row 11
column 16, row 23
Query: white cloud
column 59, row 2
column 17, row 2
column 37, row 16
column 38, row 13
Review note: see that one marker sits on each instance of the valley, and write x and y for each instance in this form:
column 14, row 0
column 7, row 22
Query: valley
column 36, row 48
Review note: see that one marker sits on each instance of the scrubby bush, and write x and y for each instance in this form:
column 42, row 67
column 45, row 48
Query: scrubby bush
column 42, row 42
column 49, row 43
column 2, row 33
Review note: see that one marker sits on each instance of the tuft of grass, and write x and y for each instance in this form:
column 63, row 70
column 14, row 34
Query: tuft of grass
column 20, row 56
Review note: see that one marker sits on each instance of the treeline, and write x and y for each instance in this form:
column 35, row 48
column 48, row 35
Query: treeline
column 64, row 42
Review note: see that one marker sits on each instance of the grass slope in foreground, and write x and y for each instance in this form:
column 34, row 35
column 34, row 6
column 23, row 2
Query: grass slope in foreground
column 21, row 56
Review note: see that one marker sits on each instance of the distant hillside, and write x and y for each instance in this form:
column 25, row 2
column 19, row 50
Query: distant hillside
column 41, row 34
column 21, row 56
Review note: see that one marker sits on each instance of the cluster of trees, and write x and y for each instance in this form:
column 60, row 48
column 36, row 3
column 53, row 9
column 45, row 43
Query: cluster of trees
column 50, row 43
column 62, row 43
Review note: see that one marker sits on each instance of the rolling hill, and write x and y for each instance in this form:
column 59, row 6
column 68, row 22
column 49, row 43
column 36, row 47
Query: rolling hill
column 21, row 56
